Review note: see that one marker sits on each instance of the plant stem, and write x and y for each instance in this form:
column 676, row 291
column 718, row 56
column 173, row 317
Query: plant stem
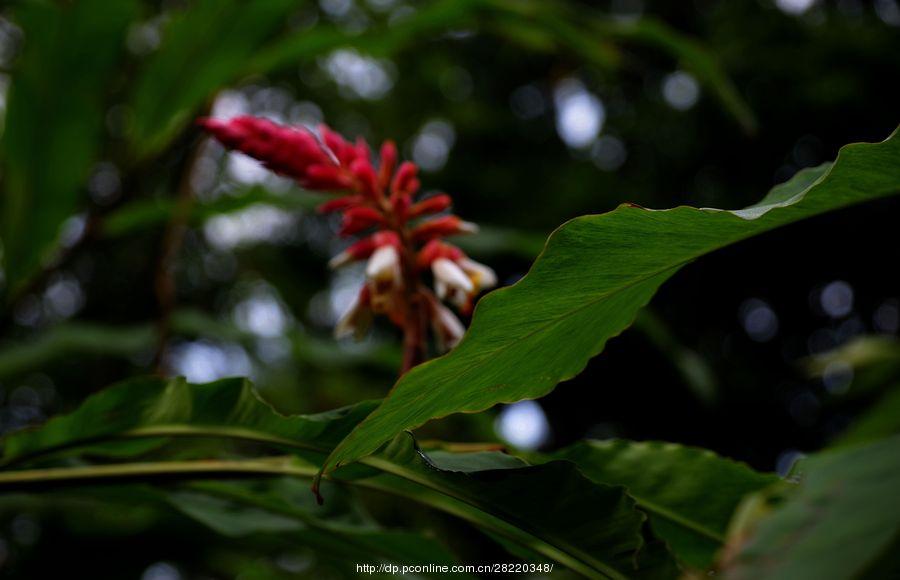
column 164, row 280
column 414, row 328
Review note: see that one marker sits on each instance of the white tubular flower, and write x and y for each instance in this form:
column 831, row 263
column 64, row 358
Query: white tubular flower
column 384, row 266
column 341, row 259
column 357, row 319
column 448, row 330
column 449, row 278
column 384, row 278
column 481, row 276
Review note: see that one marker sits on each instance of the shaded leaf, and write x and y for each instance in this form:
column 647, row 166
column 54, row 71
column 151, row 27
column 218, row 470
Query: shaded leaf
column 54, row 123
column 205, row 47
column 689, row 494
column 153, row 407
column 286, row 507
column 550, row 510
column 842, row 521
column 881, row 420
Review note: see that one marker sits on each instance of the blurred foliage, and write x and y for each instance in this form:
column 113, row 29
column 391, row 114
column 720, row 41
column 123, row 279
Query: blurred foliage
column 708, row 104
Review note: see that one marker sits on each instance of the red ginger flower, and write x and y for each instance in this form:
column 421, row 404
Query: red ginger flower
column 381, row 200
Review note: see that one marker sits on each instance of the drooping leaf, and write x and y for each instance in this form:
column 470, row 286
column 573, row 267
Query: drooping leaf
column 595, row 273
column 689, row 494
column 54, row 122
column 842, row 521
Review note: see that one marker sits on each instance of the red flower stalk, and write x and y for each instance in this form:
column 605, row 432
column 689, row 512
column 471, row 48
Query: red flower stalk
column 378, row 202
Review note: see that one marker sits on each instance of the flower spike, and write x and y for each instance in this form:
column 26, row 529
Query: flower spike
column 380, row 197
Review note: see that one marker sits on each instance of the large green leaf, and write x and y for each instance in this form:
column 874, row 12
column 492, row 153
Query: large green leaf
column 689, row 494
column 595, row 273
column 205, row 47
column 550, row 511
column 285, row 506
column 842, row 521
column 54, row 122
column 154, row 407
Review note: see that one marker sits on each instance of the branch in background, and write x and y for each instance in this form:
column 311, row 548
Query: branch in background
column 173, row 237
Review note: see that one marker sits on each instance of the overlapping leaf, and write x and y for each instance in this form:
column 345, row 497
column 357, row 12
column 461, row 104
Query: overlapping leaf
column 595, row 273
column 549, row 511
column 154, row 407
column 205, row 47
column 841, row 522
column 689, row 494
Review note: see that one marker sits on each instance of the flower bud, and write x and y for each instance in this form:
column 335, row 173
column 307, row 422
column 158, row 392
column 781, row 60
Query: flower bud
column 285, row 150
column 365, row 247
column 340, row 204
column 405, row 180
column 357, row 219
column 387, row 163
column 366, row 180
column 443, row 226
column 437, row 249
column 434, row 204
column 325, row 177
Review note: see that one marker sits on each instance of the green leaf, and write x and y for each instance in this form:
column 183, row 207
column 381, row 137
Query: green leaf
column 881, row 420
column 595, row 273
column 285, row 506
column 153, row 407
column 54, row 123
column 689, row 494
column 205, row 47
column 550, row 510
column 841, row 522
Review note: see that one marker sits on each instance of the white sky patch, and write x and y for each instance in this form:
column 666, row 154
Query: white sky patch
column 523, row 424
column 262, row 313
column 257, row 223
column 431, row 147
column 836, row 299
column 759, row 320
column 359, row 76
column 795, row 7
column 579, row 113
column 680, row 90
column 203, row 361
